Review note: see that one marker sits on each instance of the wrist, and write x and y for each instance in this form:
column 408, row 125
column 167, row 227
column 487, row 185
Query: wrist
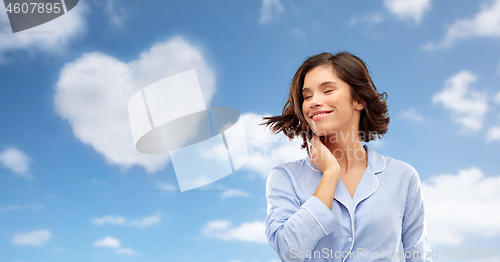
column 331, row 172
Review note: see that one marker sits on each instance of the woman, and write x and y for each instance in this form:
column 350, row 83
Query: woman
column 344, row 201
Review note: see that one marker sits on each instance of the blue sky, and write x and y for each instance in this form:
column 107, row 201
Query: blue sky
column 72, row 187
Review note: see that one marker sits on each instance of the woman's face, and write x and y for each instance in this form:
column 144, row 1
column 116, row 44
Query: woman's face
column 328, row 106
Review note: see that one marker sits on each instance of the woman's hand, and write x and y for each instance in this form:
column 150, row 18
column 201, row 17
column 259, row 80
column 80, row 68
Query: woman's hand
column 322, row 158
column 326, row 163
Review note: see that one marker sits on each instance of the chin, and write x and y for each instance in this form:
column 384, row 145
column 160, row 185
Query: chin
column 322, row 129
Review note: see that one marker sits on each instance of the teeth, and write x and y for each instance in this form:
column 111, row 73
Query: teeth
column 320, row 114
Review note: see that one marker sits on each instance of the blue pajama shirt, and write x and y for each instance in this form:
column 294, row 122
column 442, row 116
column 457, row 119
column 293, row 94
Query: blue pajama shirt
column 384, row 221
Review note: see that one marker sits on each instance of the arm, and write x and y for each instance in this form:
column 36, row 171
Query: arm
column 326, row 188
column 414, row 232
column 289, row 227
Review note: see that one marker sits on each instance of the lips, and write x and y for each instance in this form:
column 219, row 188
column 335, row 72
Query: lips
column 319, row 116
column 319, row 113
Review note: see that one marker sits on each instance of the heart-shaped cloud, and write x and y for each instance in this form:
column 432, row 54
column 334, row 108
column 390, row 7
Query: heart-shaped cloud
column 92, row 94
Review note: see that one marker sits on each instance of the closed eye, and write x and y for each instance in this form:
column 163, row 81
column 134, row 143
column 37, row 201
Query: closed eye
column 307, row 97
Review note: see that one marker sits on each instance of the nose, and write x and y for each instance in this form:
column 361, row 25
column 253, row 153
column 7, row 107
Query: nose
column 315, row 101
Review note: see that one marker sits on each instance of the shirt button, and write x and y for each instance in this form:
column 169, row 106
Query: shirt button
column 349, row 239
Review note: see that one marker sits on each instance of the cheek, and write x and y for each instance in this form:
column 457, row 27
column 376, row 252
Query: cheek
column 336, row 99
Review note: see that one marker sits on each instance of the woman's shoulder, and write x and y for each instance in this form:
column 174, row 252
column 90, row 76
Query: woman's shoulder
column 293, row 168
column 387, row 166
column 400, row 167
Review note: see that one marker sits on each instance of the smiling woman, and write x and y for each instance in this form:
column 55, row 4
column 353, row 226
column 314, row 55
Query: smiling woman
column 344, row 199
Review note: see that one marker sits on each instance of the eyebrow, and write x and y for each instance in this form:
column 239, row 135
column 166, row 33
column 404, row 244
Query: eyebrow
column 322, row 84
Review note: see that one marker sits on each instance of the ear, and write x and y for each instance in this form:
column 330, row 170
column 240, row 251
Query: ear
column 358, row 104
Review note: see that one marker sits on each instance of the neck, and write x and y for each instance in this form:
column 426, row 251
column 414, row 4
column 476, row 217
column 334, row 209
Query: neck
column 346, row 147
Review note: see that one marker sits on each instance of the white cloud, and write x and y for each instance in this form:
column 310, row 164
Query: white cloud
column 108, row 242
column 221, row 229
column 52, row 37
column 122, row 221
column 146, row 221
column 217, row 225
column 125, row 251
column 114, row 243
column 33, row 238
column 493, row 134
column 92, row 94
column 234, row 193
column 408, row 9
column 113, row 220
column 31, row 206
column 459, row 206
column 116, row 13
column 16, row 161
column 486, row 23
column 369, row 19
column 497, row 98
column 270, row 10
column 466, row 105
column 412, row 115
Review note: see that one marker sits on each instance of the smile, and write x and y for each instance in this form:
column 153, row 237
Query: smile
column 319, row 116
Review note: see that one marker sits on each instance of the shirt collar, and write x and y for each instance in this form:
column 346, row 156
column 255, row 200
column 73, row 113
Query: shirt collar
column 376, row 162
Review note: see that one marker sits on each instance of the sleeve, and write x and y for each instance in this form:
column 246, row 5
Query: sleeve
column 289, row 227
column 414, row 231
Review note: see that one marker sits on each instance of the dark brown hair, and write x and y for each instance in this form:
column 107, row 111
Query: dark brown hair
column 374, row 118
